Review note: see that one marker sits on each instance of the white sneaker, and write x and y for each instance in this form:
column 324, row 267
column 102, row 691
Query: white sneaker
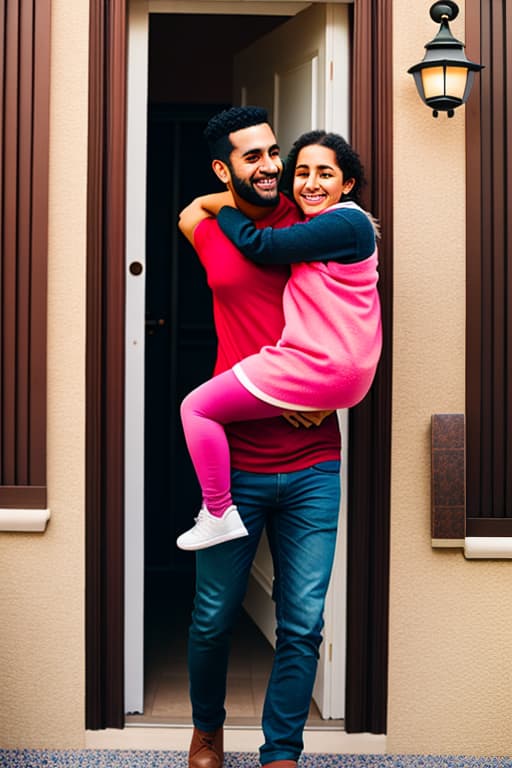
column 210, row 530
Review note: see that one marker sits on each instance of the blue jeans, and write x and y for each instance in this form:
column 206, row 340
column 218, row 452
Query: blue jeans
column 300, row 512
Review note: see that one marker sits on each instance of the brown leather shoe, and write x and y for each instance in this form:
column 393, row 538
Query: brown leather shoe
column 206, row 749
column 281, row 764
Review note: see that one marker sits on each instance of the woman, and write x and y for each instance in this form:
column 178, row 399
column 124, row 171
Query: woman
column 330, row 346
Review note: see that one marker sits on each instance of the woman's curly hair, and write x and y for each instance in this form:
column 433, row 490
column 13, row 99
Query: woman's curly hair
column 346, row 158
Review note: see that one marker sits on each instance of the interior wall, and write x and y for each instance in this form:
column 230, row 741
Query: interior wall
column 42, row 575
column 450, row 631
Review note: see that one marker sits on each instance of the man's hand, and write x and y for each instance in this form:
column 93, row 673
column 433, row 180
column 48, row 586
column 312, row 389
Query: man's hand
column 305, row 418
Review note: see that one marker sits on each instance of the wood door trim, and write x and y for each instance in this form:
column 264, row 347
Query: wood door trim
column 370, row 422
column 105, row 366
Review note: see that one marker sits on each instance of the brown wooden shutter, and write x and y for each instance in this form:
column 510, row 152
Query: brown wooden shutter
column 24, row 141
column 489, row 272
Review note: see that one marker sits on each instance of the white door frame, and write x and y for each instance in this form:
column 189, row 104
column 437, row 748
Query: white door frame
column 137, row 99
column 136, row 141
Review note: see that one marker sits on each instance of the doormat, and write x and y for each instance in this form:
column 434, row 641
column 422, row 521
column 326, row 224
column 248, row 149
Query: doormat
column 105, row 758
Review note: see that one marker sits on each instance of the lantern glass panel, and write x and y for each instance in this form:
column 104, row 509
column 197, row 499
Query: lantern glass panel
column 433, row 81
column 444, row 81
column 456, row 81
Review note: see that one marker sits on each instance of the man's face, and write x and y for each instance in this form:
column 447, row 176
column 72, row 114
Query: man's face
column 255, row 166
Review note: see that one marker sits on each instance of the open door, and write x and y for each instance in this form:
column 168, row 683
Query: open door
column 300, row 74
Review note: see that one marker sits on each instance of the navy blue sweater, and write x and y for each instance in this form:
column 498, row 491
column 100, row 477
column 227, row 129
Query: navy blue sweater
column 344, row 234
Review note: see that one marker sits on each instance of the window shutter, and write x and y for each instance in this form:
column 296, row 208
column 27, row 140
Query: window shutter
column 489, row 273
column 24, row 141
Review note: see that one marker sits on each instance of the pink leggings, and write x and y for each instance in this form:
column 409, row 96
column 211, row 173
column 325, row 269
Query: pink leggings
column 204, row 412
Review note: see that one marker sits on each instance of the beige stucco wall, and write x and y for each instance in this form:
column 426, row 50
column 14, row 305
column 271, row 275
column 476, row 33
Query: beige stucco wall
column 42, row 575
column 451, row 619
column 450, row 686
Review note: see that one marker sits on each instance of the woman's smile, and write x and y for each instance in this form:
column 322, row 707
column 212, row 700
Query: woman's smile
column 313, row 199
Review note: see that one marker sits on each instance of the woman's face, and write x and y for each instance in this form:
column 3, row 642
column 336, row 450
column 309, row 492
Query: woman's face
column 318, row 181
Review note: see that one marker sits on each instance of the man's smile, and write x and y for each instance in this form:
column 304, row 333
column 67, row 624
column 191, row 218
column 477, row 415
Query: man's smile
column 266, row 183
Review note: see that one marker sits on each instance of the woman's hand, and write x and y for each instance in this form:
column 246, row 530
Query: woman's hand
column 203, row 207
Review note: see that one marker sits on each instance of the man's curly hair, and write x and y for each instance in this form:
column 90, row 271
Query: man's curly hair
column 346, row 157
column 220, row 126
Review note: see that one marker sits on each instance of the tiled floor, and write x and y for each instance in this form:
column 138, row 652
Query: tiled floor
column 166, row 699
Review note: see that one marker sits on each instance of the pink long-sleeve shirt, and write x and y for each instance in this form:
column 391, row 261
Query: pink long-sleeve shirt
column 331, row 342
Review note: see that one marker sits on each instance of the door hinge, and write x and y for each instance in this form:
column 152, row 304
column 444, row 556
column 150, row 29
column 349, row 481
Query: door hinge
column 330, row 651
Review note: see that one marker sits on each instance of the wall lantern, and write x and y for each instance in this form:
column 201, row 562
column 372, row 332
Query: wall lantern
column 445, row 76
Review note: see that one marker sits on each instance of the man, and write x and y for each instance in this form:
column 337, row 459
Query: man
column 284, row 478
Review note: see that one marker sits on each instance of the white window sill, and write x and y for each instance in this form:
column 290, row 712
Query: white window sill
column 488, row 547
column 479, row 547
column 24, row 520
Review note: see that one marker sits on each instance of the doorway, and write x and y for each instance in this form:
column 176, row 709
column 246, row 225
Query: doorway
column 283, row 64
column 180, row 351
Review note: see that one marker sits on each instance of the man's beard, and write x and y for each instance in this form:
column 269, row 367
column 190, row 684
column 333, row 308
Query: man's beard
column 248, row 193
